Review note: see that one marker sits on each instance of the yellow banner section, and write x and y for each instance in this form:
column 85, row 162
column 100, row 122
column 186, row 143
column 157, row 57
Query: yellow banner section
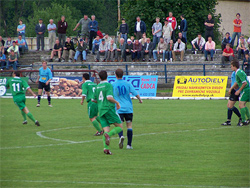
column 200, row 86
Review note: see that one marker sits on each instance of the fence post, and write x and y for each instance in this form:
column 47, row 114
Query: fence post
column 89, row 69
column 126, row 66
column 52, row 67
column 165, row 71
column 204, row 70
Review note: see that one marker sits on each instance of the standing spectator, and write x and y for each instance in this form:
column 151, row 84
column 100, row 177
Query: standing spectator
column 225, row 41
column 237, row 29
column 21, row 44
column 103, row 50
column 179, row 48
column 121, row 50
column 124, row 29
column 111, row 51
column 209, row 48
column 242, row 47
column 96, row 44
column 21, row 29
column 209, row 23
column 140, row 28
column 227, row 55
column 173, row 23
column 161, row 49
column 128, row 49
column 93, row 24
column 169, row 50
column 183, row 27
column 198, row 43
column 99, row 33
column 156, row 31
column 40, row 30
column 81, row 49
column 7, row 44
column 2, row 60
column 85, row 27
column 147, row 48
column 246, row 63
column 68, row 50
column 2, row 42
column 14, row 47
column 62, row 26
column 52, row 33
column 167, row 32
column 56, row 51
column 136, row 52
column 143, row 40
column 107, row 38
column 12, row 60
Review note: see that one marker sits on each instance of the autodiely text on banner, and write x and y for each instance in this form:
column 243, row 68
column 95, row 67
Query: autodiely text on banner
column 200, row 86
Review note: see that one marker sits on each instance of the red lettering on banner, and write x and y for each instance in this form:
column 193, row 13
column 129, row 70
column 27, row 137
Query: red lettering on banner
column 147, row 86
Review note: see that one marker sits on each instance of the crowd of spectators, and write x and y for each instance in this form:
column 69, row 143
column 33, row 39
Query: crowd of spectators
column 164, row 45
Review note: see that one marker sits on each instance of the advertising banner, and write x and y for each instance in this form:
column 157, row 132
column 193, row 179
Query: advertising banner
column 146, row 86
column 3, row 90
column 200, row 86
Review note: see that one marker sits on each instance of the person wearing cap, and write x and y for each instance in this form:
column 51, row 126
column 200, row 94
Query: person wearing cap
column 237, row 29
column 227, row 39
column 14, row 47
column 56, row 51
column 52, row 33
column 167, row 32
column 128, row 49
column 2, row 60
column 103, row 50
column 40, row 30
column 124, row 29
column 81, row 49
column 140, row 28
column 12, row 61
column 242, row 47
column 21, row 44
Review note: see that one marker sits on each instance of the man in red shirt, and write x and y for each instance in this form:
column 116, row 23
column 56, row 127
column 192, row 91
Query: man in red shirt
column 237, row 29
column 227, row 55
column 173, row 23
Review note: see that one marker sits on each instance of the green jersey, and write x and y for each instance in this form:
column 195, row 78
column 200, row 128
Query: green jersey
column 88, row 89
column 241, row 78
column 17, row 86
column 104, row 90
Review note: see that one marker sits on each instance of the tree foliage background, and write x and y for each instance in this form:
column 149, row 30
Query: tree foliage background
column 30, row 11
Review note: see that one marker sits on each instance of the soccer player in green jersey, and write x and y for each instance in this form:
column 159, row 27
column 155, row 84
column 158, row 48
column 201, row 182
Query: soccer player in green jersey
column 18, row 89
column 106, row 106
column 244, row 91
column 88, row 89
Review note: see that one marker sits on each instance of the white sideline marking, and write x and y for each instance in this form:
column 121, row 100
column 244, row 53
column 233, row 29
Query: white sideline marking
column 110, row 183
column 88, row 141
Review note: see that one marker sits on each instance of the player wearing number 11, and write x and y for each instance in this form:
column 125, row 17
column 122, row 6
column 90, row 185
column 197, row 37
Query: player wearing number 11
column 18, row 89
column 106, row 106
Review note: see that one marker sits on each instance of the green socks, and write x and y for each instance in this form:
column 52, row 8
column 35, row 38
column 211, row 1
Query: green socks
column 244, row 112
column 98, row 119
column 31, row 117
column 96, row 125
column 114, row 131
column 24, row 115
column 247, row 113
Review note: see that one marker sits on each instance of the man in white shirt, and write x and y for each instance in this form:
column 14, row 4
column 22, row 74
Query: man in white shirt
column 198, row 43
column 179, row 48
column 52, row 33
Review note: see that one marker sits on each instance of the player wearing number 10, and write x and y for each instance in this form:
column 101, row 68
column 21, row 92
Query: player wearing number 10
column 106, row 106
column 18, row 89
column 88, row 89
column 122, row 90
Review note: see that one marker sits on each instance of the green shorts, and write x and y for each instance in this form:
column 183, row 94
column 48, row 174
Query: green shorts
column 109, row 118
column 20, row 100
column 245, row 95
column 92, row 109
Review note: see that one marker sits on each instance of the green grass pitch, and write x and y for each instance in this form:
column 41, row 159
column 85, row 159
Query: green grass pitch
column 177, row 143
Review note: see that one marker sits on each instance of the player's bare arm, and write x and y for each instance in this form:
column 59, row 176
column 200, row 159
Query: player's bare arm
column 139, row 98
column 233, row 87
column 241, row 88
column 47, row 83
column 111, row 99
column 83, row 97
column 31, row 92
column 37, row 79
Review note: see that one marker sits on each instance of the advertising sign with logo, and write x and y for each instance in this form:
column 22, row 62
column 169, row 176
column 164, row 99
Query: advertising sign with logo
column 3, row 90
column 146, row 86
column 200, row 86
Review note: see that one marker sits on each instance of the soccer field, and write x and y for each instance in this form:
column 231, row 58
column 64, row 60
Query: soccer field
column 177, row 143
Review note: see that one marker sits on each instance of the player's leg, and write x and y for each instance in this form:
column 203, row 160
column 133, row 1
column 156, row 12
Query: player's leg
column 40, row 90
column 129, row 119
column 29, row 114
column 93, row 112
column 24, row 117
column 96, row 125
column 47, row 90
column 245, row 97
column 122, row 119
column 105, row 138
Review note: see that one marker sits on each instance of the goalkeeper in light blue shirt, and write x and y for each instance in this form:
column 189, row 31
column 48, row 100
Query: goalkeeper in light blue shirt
column 121, row 91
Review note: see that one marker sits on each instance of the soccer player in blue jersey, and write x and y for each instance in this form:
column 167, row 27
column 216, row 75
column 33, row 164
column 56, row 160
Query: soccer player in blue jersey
column 231, row 102
column 122, row 90
column 45, row 76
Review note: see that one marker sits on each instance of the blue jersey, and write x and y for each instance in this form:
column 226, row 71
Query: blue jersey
column 45, row 75
column 121, row 91
column 233, row 78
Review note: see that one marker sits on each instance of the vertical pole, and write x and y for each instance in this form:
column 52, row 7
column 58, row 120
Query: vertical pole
column 89, row 69
column 52, row 67
column 126, row 66
column 204, row 70
column 165, row 71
